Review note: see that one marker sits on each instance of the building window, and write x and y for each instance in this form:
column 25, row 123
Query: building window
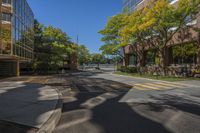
column 6, row 1
column 190, row 21
column 132, row 60
column 6, row 17
column 173, row 1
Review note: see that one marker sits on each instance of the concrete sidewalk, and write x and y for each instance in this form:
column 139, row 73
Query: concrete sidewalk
column 31, row 106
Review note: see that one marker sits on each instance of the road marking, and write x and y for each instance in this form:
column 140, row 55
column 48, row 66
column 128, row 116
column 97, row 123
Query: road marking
column 175, row 83
column 158, row 86
column 172, row 85
column 140, row 88
column 147, row 86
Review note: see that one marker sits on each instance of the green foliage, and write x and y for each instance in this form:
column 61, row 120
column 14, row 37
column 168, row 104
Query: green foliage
column 168, row 21
column 184, row 50
column 97, row 58
column 52, row 47
column 111, row 36
column 127, row 69
column 154, row 25
column 83, row 55
column 110, row 49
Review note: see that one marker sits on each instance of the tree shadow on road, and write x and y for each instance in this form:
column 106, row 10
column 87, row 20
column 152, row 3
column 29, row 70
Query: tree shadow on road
column 176, row 102
column 94, row 107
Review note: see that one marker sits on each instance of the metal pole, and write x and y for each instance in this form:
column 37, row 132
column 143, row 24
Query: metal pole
column 0, row 27
column 18, row 68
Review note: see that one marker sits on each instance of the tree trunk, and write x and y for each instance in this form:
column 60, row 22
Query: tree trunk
column 162, row 61
column 125, row 58
column 141, row 59
column 198, row 51
column 198, row 55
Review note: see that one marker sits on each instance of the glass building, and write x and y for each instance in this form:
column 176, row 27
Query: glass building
column 16, row 34
column 130, row 5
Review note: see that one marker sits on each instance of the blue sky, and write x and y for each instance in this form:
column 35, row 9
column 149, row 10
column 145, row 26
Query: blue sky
column 77, row 17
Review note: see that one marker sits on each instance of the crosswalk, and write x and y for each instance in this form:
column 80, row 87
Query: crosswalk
column 159, row 86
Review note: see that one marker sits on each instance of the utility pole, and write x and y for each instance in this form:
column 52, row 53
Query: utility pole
column 77, row 39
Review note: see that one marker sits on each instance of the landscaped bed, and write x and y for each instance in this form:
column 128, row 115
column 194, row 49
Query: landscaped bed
column 164, row 78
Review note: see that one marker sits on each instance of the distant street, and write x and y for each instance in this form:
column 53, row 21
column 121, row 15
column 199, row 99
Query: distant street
column 100, row 102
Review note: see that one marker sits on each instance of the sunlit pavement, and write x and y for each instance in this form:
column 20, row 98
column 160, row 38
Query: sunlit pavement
column 26, row 104
column 97, row 102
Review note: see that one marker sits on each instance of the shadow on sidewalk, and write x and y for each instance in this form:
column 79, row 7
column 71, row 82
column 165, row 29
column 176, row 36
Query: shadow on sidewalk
column 22, row 105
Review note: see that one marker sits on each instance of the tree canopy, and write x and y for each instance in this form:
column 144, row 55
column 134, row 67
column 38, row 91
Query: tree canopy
column 152, row 26
column 52, row 47
column 111, row 36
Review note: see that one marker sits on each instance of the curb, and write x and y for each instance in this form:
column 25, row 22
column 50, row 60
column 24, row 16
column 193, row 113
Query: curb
column 136, row 77
column 51, row 123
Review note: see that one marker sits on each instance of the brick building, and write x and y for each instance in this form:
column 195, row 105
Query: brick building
column 190, row 37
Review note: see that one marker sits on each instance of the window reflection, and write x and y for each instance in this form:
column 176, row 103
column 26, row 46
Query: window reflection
column 23, row 20
column 16, row 29
column 130, row 4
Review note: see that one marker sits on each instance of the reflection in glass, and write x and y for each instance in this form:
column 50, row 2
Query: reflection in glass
column 22, row 29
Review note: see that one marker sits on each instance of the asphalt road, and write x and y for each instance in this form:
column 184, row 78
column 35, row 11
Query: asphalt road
column 105, row 103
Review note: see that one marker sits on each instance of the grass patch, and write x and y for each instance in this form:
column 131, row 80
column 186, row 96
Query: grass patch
column 164, row 78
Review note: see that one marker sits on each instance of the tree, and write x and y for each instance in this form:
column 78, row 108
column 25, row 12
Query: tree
column 184, row 51
column 83, row 55
column 52, row 47
column 97, row 58
column 111, row 35
column 156, row 25
column 168, row 21
column 41, row 60
column 111, row 49
column 136, row 32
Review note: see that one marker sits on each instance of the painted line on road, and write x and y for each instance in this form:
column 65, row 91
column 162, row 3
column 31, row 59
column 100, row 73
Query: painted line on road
column 173, row 83
column 140, row 88
column 147, row 86
column 117, row 75
column 170, row 84
column 159, row 86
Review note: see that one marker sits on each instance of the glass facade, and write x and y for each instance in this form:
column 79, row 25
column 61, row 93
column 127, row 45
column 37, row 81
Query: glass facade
column 130, row 5
column 17, row 29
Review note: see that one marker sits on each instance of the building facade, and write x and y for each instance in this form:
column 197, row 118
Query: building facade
column 170, row 58
column 16, row 35
column 130, row 5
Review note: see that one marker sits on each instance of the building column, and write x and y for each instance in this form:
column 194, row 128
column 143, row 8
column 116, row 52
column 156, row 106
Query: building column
column 18, row 68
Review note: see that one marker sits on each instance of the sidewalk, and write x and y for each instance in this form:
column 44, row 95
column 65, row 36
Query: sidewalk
column 28, row 106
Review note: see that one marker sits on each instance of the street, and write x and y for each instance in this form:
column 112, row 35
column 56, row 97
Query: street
column 97, row 102
column 71, row 67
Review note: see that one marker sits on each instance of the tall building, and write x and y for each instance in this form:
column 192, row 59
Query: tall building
column 16, row 35
column 130, row 5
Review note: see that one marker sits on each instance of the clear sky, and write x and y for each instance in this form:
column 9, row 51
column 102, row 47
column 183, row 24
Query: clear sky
column 77, row 17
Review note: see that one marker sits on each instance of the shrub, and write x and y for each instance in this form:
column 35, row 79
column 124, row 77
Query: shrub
column 127, row 69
